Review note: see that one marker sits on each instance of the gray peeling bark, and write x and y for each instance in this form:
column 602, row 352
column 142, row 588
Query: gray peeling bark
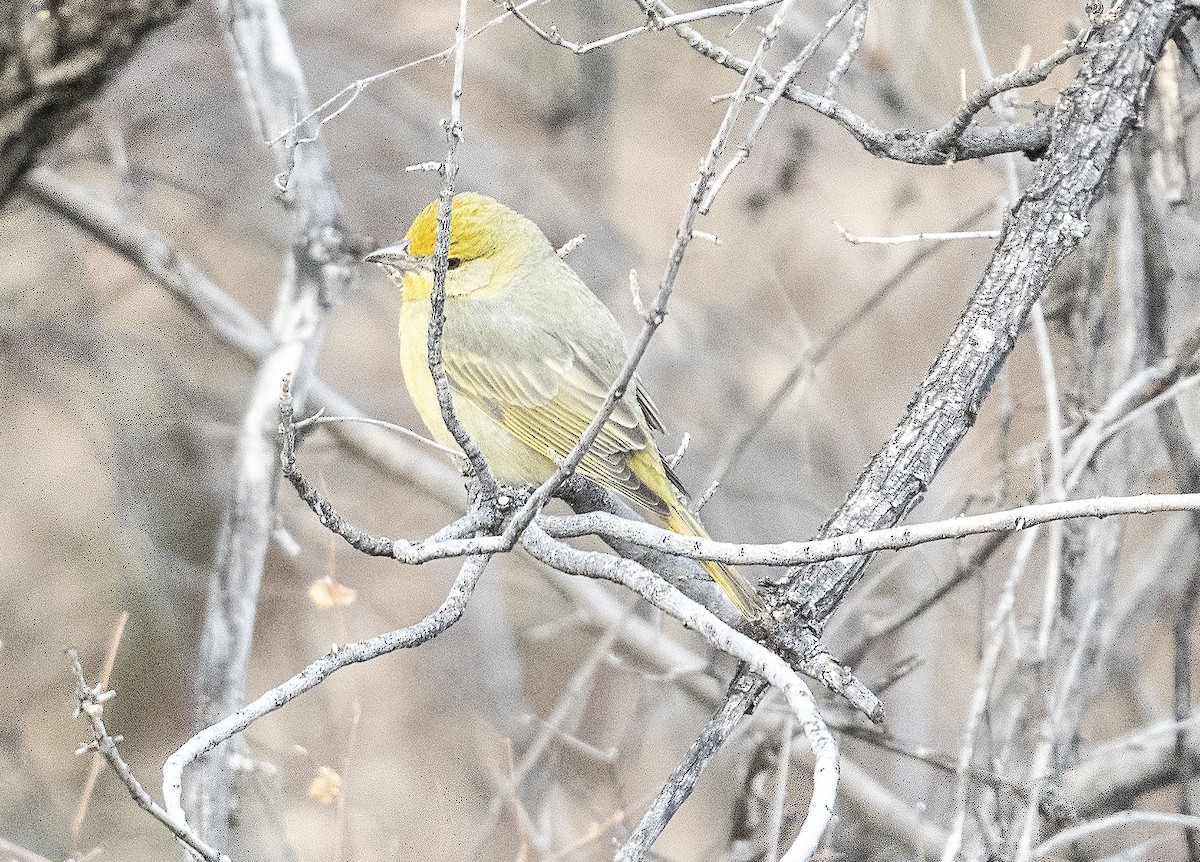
column 1091, row 120
column 54, row 58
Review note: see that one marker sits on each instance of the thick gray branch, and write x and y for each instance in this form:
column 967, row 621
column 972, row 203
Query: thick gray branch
column 1091, row 120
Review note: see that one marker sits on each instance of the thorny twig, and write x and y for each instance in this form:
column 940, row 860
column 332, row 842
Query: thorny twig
column 91, row 705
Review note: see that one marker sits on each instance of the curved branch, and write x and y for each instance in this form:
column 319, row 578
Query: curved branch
column 447, row 614
column 755, row 655
column 956, row 140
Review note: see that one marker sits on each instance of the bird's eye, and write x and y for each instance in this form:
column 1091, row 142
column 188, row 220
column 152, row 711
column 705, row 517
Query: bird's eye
column 454, row 263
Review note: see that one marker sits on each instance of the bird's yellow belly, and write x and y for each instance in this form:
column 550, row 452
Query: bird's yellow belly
column 511, row 460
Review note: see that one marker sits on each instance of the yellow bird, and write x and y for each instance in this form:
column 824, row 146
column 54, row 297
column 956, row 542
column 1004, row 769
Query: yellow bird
column 530, row 353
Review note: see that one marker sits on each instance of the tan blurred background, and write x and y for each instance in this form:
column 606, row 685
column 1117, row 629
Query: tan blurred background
column 120, row 412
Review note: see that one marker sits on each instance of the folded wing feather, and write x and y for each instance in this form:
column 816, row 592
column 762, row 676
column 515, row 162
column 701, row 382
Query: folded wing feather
column 548, row 402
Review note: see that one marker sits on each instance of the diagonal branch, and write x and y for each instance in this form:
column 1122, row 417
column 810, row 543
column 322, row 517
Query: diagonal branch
column 91, row 700
column 1091, row 120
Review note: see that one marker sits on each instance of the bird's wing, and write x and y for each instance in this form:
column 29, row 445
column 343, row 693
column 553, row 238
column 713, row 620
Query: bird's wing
column 547, row 401
column 649, row 408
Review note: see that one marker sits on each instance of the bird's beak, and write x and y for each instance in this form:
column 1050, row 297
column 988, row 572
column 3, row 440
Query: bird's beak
column 396, row 257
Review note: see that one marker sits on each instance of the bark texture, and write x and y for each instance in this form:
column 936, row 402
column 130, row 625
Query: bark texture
column 54, row 59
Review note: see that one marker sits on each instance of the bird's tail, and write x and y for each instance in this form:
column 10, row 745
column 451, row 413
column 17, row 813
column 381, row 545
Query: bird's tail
column 733, row 582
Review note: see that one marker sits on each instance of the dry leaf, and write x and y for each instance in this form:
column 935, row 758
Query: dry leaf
column 327, row 593
column 326, row 786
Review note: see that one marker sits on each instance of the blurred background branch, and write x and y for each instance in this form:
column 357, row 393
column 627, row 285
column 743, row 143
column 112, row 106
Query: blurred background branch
column 54, row 60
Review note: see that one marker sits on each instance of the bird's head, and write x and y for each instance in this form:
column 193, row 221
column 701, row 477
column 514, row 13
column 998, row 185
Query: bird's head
column 486, row 239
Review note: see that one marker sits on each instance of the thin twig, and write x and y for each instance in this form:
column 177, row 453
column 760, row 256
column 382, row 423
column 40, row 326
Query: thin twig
column 786, row 75
column 91, row 705
column 379, row 423
column 903, row 239
column 441, row 263
column 450, row 611
column 867, row 541
column 349, row 94
column 566, row 712
column 653, row 23
column 812, row 358
column 775, row 830
column 110, row 661
column 957, row 139
column 1053, row 731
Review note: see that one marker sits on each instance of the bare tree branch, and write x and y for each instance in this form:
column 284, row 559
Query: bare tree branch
column 321, row 268
column 692, row 616
column 54, row 60
column 957, row 140
column 91, row 704
column 1090, row 122
column 446, row 615
column 867, row 541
